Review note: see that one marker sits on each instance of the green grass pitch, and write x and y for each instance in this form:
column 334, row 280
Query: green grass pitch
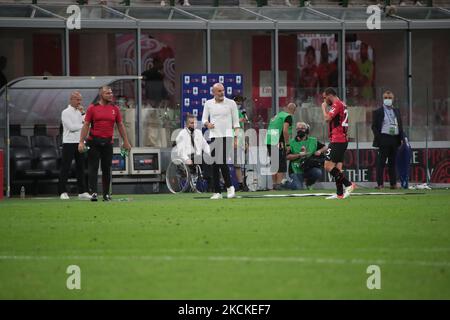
column 177, row 247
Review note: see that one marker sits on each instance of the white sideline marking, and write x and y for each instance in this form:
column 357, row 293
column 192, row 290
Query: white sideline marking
column 238, row 259
column 228, row 249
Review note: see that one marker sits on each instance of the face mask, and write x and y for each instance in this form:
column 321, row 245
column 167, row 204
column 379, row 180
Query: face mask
column 301, row 134
column 191, row 129
column 387, row 102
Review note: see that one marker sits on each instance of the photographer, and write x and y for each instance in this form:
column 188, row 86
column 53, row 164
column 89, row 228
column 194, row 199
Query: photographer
column 306, row 158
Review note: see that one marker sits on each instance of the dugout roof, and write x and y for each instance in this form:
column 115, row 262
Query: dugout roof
column 287, row 18
column 33, row 98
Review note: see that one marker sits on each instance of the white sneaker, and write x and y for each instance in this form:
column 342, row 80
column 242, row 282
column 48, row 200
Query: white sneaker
column 216, row 196
column 335, row 197
column 230, row 193
column 288, row 3
column 64, row 196
column 84, row 196
column 186, row 3
column 163, row 3
column 348, row 190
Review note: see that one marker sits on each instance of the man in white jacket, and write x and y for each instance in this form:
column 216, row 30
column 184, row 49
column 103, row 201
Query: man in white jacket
column 220, row 116
column 72, row 120
column 191, row 143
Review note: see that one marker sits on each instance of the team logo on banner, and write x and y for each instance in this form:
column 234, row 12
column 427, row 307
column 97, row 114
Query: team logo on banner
column 204, row 79
column 210, row 91
column 203, row 101
column 195, row 112
column 229, row 90
column 187, row 102
column 238, row 79
column 221, row 79
column 195, row 91
column 187, row 79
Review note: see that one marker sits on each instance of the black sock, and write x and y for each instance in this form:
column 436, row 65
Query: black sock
column 339, row 188
column 340, row 177
column 345, row 181
column 334, row 172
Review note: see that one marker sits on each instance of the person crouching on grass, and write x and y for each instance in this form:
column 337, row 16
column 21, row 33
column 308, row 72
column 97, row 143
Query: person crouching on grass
column 305, row 158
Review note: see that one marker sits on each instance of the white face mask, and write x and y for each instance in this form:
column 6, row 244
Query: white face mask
column 387, row 102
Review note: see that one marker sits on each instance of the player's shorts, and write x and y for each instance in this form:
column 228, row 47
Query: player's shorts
column 279, row 166
column 336, row 151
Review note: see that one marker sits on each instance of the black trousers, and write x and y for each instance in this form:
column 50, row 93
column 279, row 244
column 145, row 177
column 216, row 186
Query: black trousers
column 221, row 149
column 387, row 150
column 104, row 154
column 69, row 152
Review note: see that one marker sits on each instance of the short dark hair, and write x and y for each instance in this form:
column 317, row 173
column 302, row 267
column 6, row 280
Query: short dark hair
column 239, row 98
column 103, row 88
column 331, row 91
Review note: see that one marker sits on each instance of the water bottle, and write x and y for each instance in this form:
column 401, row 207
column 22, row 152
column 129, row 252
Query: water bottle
column 123, row 152
column 22, row 192
column 86, row 149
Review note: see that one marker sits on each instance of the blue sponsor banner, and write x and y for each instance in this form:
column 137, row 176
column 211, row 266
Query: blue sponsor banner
column 197, row 88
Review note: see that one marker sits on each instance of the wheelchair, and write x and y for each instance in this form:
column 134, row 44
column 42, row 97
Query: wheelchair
column 181, row 177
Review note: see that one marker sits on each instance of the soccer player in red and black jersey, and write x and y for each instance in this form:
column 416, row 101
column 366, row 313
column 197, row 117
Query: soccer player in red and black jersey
column 337, row 118
column 99, row 123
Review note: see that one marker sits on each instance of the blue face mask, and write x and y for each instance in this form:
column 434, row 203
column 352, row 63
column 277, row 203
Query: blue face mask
column 387, row 102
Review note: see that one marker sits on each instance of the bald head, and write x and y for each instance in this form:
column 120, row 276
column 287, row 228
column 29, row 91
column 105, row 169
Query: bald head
column 290, row 108
column 218, row 92
column 75, row 99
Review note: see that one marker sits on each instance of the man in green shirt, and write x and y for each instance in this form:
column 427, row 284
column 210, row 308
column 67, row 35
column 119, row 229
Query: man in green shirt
column 304, row 152
column 279, row 132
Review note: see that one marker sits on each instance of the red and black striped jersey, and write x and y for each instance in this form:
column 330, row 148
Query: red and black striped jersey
column 338, row 124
